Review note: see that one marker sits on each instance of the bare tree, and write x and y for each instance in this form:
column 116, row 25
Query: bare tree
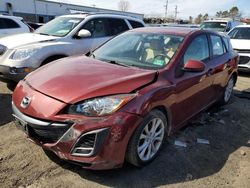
column 123, row 5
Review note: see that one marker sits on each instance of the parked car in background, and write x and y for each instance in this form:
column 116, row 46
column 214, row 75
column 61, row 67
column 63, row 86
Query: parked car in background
column 34, row 25
column 127, row 97
column 240, row 39
column 181, row 25
column 10, row 25
column 64, row 36
column 220, row 25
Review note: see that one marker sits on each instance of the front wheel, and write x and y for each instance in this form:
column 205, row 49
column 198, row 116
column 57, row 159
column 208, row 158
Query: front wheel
column 147, row 139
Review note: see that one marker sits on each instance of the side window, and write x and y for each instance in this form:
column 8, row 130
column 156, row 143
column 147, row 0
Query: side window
column 9, row 24
column 97, row 27
column 2, row 26
column 135, row 24
column 197, row 50
column 217, row 45
column 117, row 26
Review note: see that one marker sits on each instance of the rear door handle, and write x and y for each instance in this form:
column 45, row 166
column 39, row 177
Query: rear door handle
column 209, row 72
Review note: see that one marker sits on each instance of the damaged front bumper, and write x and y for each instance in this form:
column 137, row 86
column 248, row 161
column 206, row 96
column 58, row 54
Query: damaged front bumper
column 94, row 143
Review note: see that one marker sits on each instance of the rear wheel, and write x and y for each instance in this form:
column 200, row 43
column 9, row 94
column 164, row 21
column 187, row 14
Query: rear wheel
column 228, row 91
column 147, row 139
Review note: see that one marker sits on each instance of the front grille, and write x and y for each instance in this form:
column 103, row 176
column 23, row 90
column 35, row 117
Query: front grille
column 244, row 60
column 242, row 50
column 38, row 129
column 47, row 134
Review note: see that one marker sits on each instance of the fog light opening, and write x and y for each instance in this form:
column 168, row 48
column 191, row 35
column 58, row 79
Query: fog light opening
column 15, row 70
column 89, row 143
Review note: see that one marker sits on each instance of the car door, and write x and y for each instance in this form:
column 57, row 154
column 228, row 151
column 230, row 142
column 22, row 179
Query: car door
column 221, row 61
column 101, row 29
column 193, row 90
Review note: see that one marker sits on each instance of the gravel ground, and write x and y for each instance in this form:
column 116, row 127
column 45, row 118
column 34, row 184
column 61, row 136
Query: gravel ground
column 224, row 162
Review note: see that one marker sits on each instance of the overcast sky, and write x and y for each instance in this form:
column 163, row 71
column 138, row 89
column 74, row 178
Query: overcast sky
column 185, row 8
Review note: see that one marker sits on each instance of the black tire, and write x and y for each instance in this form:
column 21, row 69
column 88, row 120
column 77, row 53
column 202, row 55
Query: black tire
column 52, row 58
column 132, row 155
column 225, row 98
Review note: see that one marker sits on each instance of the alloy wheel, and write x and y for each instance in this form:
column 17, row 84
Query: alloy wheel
column 150, row 139
column 229, row 90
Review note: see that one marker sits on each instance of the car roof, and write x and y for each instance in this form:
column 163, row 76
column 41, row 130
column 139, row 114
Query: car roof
column 85, row 15
column 10, row 17
column 246, row 26
column 168, row 30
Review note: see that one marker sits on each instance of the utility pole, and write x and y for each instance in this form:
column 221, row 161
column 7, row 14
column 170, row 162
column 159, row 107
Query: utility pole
column 35, row 11
column 166, row 9
column 176, row 12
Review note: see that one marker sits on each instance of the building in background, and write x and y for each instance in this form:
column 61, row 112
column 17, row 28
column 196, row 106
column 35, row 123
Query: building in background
column 44, row 10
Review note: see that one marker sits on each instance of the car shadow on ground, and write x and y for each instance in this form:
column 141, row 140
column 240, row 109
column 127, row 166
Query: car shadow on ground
column 11, row 85
column 244, row 74
column 178, row 164
column 5, row 109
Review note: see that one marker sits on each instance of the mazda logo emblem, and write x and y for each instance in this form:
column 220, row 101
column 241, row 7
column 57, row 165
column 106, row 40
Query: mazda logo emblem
column 25, row 102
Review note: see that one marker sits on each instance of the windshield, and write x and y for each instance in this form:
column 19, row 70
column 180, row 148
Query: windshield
column 59, row 27
column 240, row 33
column 218, row 26
column 143, row 50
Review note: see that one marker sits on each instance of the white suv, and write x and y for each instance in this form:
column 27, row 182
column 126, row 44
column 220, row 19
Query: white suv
column 64, row 36
column 221, row 25
column 240, row 39
column 10, row 25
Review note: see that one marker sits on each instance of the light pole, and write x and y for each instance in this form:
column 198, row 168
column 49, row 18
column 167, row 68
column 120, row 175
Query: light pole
column 35, row 10
column 166, row 9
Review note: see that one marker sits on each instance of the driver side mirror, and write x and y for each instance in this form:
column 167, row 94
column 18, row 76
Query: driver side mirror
column 83, row 33
column 194, row 66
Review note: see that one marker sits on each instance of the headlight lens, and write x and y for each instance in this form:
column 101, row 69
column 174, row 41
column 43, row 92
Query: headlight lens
column 22, row 54
column 2, row 49
column 101, row 106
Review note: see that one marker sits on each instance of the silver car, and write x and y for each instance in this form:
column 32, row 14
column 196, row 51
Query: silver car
column 64, row 36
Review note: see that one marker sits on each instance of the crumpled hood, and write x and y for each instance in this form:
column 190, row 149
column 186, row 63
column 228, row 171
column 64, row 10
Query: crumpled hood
column 19, row 40
column 240, row 44
column 75, row 79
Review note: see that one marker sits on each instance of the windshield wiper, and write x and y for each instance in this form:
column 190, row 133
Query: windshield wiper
column 116, row 63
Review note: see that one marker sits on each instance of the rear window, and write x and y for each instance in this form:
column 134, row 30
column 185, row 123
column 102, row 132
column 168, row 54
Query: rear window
column 218, row 26
column 6, row 23
column 135, row 24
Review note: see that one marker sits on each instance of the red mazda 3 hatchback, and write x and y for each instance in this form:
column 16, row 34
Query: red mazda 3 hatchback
column 122, row 101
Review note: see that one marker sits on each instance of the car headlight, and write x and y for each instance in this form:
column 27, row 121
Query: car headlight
column 25, row 53
column 101, row 106
column 2, row 49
